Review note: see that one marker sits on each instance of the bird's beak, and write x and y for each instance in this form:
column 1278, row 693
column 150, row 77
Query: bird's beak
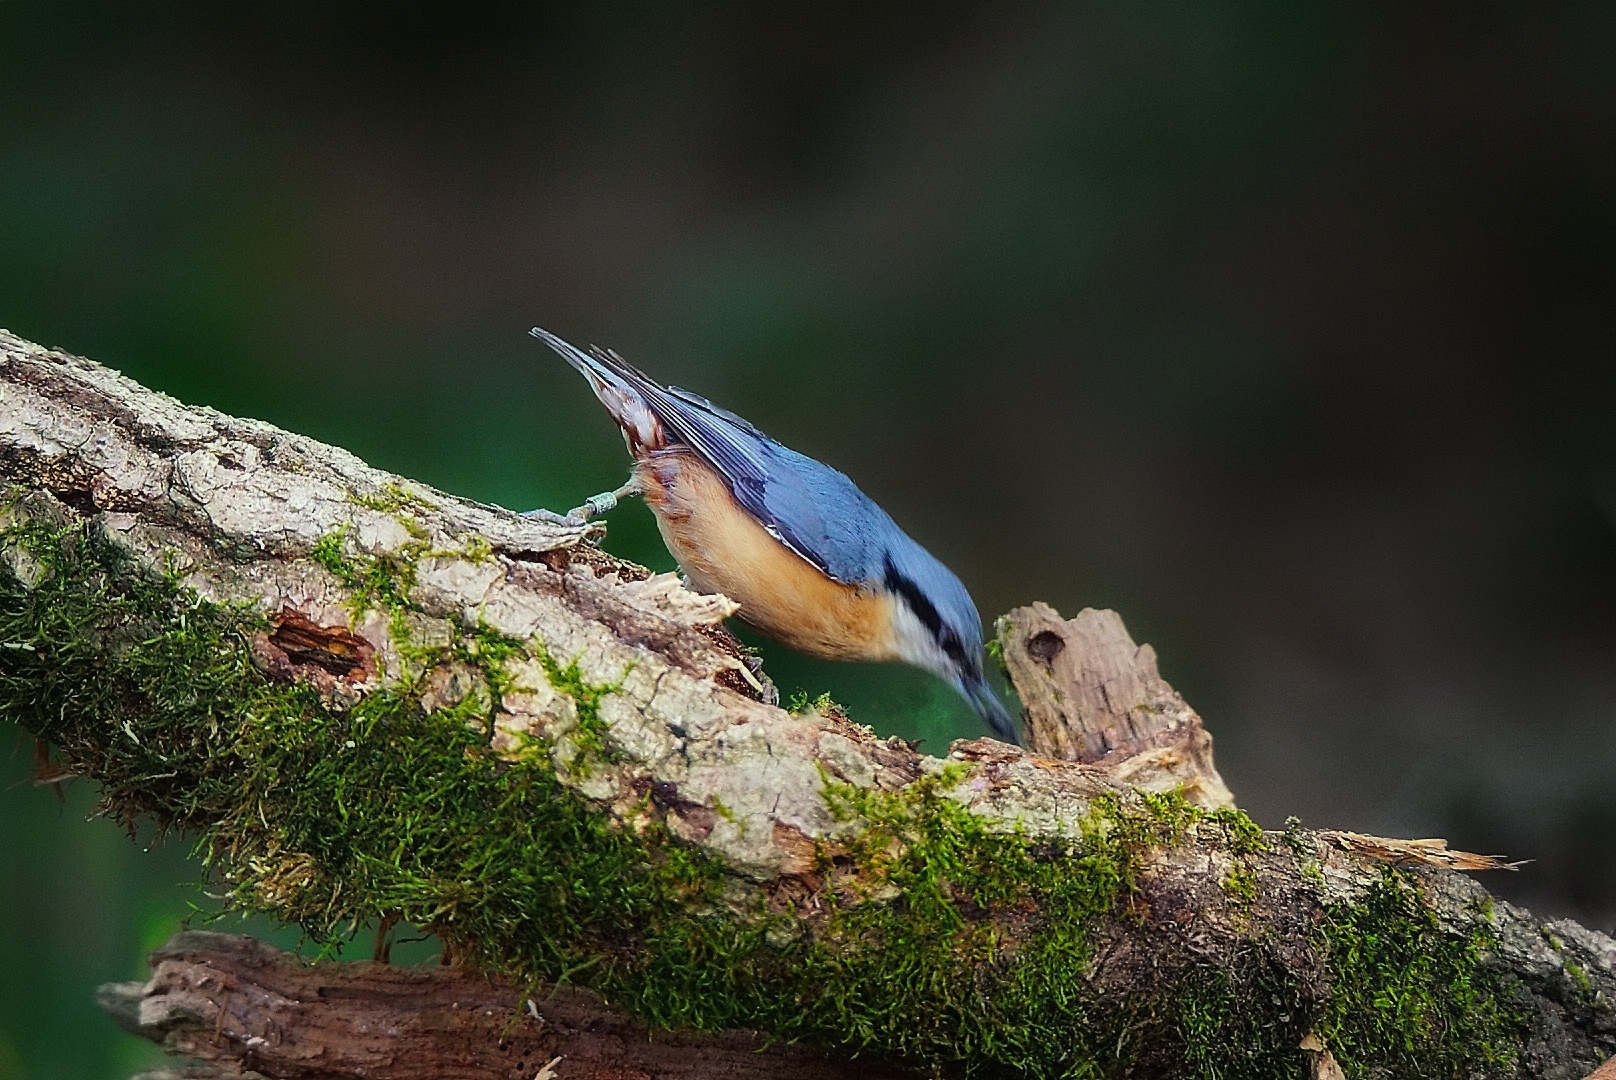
column 991, row 708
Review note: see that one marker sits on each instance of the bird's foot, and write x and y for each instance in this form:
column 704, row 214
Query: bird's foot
column 764, row 684
column 550, row 517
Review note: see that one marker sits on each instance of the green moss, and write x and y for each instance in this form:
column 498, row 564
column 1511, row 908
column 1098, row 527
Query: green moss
column 319, row 816
column 490, row 651
column 1301, row 844
column 1409, row 999
column 924, row 863
column 995, row 651
column 383, row 581
column 1240, row 883
column 1174, row 814
column 1244, row 1018
column 393, row 499
column 925, row 936
column 590, row 734
column 1245, row 837
column 1574, row 971
column 800, row 702
column 373, row 581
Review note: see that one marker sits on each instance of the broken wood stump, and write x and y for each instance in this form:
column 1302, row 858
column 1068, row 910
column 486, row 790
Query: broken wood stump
column 1093, row 696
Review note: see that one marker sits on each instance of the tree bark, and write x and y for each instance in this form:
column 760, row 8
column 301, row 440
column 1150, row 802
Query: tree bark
column 840, row 856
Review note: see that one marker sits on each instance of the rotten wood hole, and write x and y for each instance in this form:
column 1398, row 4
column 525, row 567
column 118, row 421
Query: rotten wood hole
column 295, row 644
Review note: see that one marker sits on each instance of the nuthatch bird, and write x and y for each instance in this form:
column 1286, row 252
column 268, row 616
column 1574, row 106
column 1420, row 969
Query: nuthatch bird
column 811, row 560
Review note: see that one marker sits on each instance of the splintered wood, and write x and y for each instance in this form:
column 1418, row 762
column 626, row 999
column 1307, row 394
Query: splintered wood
column 1434, row 852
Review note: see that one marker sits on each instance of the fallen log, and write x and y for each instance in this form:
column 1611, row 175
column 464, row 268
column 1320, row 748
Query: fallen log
column 369, row 700
column 220, row 998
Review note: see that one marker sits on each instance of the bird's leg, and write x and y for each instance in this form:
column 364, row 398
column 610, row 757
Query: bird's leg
column 606, row 501
column 593, row 507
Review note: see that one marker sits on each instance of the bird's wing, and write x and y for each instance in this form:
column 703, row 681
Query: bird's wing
column 786, row 492
column 809, row 507
column 822, row 516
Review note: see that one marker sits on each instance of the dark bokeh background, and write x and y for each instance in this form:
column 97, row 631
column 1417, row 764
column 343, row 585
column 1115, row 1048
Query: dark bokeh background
column 1285, row 330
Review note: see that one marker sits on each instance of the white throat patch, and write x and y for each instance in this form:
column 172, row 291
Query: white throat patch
column 915, row 645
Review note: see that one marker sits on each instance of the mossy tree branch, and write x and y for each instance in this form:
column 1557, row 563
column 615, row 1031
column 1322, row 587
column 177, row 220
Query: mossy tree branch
column 369, row 700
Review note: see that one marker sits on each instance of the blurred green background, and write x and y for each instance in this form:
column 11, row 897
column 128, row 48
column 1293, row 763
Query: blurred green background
column 1285, row 330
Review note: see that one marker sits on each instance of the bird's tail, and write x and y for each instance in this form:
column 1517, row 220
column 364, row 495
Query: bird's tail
column 620, row 386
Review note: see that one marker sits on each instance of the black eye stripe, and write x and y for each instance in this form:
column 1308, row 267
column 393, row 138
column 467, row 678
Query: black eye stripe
column 927, row 613
column 917, row 600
